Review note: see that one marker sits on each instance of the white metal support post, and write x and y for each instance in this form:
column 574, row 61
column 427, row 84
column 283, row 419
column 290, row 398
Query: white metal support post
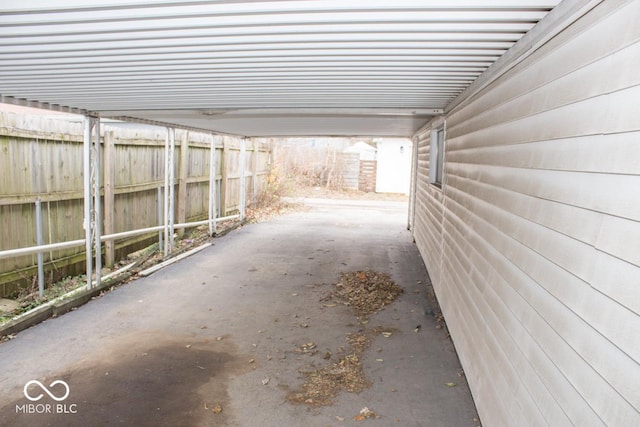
column 160, row 220
column 413, row 185
column 243, row 170
column 169, row 151
column 212, row 187
column 39, row 243
column 92, row 207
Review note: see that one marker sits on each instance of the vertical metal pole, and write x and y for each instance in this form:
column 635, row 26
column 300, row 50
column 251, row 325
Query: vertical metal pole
column 172, row 186
column 40, row 254
column 88, row 207
column 243, row 167
column 97, row 206
column 92, row 206
column 169, row 148
column 160, row 222
column 166, row 193
column 212, row 187
column 412, row 190
column 219, row 205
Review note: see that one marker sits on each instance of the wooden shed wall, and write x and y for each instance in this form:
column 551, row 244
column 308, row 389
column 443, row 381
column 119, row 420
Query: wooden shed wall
column 532, row 244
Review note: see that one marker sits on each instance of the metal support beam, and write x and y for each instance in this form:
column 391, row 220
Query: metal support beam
column 243, row 171
column 39, row 243
column 212, row 187
column 183, row 174
column 92, row 206
column 160, row 220
column 169, row 183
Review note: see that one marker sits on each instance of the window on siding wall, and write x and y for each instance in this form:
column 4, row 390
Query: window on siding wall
column 436, row 157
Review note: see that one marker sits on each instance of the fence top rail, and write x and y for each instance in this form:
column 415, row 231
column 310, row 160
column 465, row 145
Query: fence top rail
column 12, row 253
column 31, row 250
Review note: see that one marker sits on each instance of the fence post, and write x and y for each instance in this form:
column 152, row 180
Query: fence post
column 182, row 181
column 109, row 196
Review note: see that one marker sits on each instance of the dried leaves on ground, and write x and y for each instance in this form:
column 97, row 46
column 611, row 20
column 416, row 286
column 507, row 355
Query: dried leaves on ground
column 366, row 291
column 261, row 212
column 365, row 414
column 322, row 385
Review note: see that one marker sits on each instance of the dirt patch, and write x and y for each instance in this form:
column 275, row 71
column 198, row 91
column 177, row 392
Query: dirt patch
column 146, row 382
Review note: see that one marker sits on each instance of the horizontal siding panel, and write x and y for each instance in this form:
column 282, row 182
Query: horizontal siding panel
column 581, row 224
column 560, row 248
column 494, row 369
column 587, row 344
column 615, row 277
column 605, row 193
column 620, row 325
column 607, row 114
column 574, row 260
column 578, row 224
column 585, row 42
column 567, row 90
column 614, row 153
column 620, row 237
column 500, row 303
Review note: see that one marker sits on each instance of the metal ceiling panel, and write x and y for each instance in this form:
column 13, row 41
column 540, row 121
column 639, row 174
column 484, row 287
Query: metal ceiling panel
column 248, row 67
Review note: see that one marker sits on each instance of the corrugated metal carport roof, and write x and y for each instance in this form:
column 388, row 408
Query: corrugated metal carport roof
column 330, row 67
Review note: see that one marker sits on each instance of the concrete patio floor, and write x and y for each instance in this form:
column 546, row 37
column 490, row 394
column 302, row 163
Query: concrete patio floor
column 222, row 328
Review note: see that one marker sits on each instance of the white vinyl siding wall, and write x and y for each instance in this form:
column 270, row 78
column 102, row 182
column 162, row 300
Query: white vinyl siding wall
column 533, row 244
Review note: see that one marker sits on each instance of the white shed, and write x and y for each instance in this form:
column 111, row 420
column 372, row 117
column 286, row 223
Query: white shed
column 364, row 150
column 394, row 165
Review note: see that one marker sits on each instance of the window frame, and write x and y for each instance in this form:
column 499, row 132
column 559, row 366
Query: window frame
column 436, row 155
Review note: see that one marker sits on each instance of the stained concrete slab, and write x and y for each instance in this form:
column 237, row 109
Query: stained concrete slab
column 208, row 332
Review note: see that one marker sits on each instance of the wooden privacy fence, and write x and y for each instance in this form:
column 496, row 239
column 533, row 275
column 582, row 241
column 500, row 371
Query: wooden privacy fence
column 367, row 177
column 41, row 159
